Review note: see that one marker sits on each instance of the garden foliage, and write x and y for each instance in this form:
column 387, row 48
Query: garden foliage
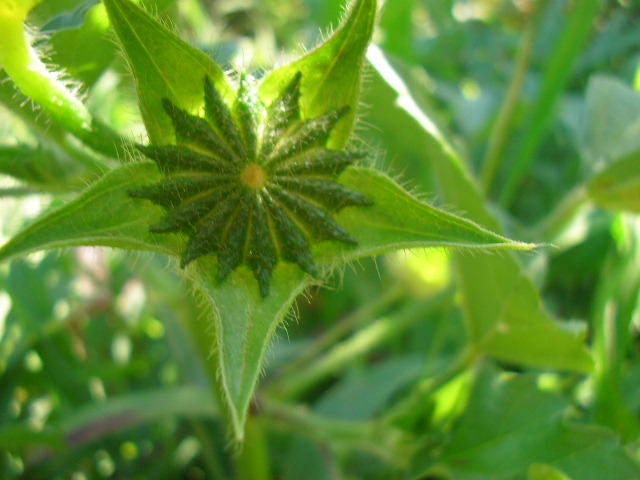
column 250, row 335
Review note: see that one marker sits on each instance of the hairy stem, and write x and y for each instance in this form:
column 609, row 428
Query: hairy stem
column 44, row 86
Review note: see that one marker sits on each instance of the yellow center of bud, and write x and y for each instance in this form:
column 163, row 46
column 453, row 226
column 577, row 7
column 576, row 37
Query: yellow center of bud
column 254, row 176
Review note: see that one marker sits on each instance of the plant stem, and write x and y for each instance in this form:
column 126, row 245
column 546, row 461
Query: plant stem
column 34, row 79
column 253, row 461
column 615, row 307
column 383, row 441
column 502, row 128
column 575, row 34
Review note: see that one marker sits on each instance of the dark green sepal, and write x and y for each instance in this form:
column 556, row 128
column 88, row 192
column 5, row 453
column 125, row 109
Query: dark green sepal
column 248, row 112
column 283, row 113
column 313, row 217
column 293, row 243
column 172, row 191
column 196, row 132
column 324, row 163
column 207, row 237
column 327, row 193
column 232, row 247
column 262, row 256
column 219, row 115
column 187, row 216
column 172, row 158
column 312, row 134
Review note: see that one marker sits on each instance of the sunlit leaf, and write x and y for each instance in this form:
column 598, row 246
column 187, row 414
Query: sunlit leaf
column 509, row 424
column 103, row 215
column 163, row 65
column 503, row 312
column 398, row 220
column 244, row 324
column 332, row 72
column 540, row 471
column 612, row 128
column 617, row 187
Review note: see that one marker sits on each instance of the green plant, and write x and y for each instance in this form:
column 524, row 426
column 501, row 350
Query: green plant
column 260, row 191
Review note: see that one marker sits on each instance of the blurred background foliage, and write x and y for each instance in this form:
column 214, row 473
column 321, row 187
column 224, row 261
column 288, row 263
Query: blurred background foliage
column 99, row 377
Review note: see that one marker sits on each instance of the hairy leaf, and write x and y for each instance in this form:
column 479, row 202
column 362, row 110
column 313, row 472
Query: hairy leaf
column 163, row 65
column 332, row 72
column 104, row 215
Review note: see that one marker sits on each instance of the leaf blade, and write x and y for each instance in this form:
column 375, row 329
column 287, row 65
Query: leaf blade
column 398, row 220
column 510, row 424
column 332, row 72
column 244, row 325
column 103, row 215
column 491, row 303
column 163, row 65
column 617, row 186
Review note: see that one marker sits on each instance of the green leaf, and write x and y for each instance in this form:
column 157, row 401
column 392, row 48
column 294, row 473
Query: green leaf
column 503, row 311
column 36, row 167
column 332, row 72
column 611, row 143
column 104, row 215
column 519, row 331
column 613, row 123
column 398, row 220
column 98, row 420
column 243, row 325
column 509, row 424
column 540, row 471
column 617, row 187
column 85, row 51
column 163, row 66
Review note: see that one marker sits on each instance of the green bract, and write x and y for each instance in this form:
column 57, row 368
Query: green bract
column 252, row 184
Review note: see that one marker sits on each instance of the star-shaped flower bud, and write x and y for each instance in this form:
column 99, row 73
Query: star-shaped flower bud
column 252, row 184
